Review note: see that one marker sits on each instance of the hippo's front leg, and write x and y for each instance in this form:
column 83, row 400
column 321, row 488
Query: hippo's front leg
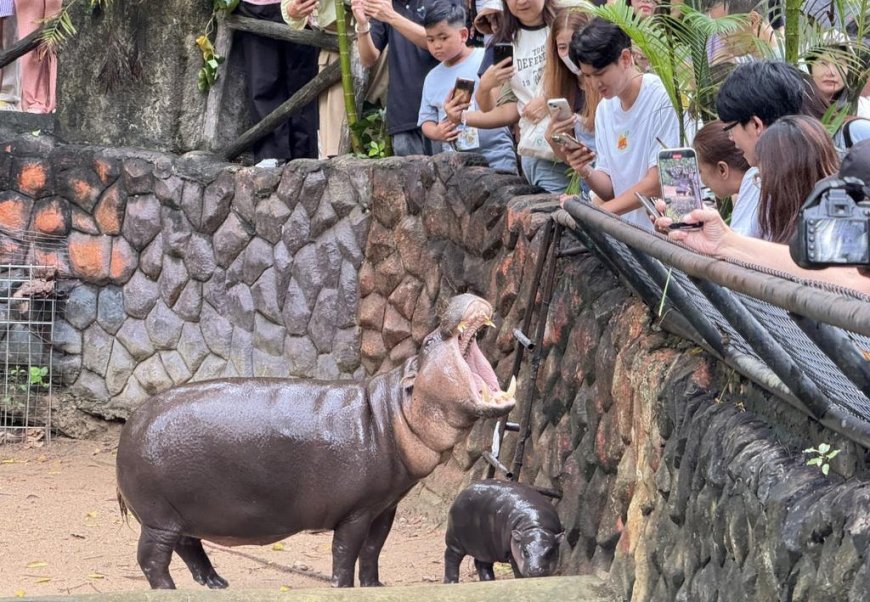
column 371, row 550
column 347, row 542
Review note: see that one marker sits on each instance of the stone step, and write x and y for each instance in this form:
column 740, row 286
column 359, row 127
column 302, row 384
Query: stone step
column 577, row 589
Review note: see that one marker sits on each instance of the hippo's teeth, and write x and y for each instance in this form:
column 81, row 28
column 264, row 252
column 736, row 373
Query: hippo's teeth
column 484, row 393
column 512, row 388
column 461, row 327
column 489, row 322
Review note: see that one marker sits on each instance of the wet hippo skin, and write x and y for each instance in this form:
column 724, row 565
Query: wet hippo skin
column 502, row 521
column 254, row 460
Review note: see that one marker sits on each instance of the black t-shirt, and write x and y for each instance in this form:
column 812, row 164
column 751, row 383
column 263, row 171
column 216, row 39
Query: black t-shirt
column 408, row 64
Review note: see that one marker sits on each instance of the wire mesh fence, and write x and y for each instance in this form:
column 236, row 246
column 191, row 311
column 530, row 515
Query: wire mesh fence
column 30, row 265
column 762, row 331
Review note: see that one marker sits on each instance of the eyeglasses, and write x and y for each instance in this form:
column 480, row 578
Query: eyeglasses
column 730, row 126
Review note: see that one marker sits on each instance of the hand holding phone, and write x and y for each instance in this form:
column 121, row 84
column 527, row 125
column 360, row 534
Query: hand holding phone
column 680, row 183
column 559, row 108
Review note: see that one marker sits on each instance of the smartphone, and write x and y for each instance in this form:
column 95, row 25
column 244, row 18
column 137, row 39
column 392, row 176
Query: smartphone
column 463, row 88
column 559, row 108
column 502, row 51
column 568, row 141
column 681, row 184
column 648, row 204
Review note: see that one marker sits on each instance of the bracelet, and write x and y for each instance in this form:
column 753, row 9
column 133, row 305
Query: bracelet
column 463, row 117
column 359, row 32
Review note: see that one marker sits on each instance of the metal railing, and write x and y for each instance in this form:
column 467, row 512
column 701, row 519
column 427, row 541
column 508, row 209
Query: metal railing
column 806, row 342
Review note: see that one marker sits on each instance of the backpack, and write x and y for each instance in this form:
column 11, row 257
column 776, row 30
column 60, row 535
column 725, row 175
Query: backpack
column 847, row 137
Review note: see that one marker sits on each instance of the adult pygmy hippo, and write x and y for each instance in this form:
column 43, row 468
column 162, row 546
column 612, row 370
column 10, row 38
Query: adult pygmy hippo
column 254, row 460
column 502, row 521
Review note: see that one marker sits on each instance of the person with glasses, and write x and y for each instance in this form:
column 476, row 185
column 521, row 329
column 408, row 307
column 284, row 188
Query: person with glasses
column 753, row 97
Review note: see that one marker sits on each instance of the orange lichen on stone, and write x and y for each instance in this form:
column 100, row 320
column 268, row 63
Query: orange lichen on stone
column 109, row 212
column 50, row 219
column 32, row 178
column 103, row 169
column 10, row 251
column 13, row 214
column 124, row 261
column 46, row 257
column 90, row 256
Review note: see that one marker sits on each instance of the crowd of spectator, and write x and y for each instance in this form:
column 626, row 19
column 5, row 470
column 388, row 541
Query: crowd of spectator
column 555, row 92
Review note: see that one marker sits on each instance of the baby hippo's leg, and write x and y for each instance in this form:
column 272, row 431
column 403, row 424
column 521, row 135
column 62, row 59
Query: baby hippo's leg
column 484, row 570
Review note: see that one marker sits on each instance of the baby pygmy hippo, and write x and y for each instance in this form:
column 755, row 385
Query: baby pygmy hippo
column 502, row 521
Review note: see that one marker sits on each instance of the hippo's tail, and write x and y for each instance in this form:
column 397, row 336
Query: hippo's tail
column 122, row 505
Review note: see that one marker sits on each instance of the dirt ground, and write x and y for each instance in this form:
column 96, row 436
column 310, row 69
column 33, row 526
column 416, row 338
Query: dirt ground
column 61, row 533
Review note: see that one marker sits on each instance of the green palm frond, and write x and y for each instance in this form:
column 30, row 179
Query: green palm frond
column 58, row 29
column 850, row 51
column 675, row 43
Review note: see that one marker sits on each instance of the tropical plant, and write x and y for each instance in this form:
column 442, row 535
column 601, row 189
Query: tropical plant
column 674, row 42
column 341, row 24
column 211, row 60
column 808, row 38
column 371, row 132
column 821, row 456
column 58, row 29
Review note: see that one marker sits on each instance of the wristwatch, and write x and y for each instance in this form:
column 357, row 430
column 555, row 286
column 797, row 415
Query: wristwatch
column 360, row 32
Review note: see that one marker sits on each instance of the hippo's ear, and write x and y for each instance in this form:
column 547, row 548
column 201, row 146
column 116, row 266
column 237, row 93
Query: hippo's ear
column 516, row 535
column 409, row 375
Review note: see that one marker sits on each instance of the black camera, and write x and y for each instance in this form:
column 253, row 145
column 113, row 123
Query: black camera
column 833, row 226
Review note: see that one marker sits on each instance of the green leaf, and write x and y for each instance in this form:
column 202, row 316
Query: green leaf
column 811, row 450
column 814, row 461
column 824, row 448
column 825, row 469
column 833, row 454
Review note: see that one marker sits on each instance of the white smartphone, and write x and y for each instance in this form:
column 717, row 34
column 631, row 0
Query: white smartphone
column 559, row 109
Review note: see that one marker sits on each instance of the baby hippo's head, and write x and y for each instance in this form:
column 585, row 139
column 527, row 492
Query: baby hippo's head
column 536, row 551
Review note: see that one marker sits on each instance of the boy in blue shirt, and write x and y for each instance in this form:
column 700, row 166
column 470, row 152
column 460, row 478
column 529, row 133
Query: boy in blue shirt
column 446, row 36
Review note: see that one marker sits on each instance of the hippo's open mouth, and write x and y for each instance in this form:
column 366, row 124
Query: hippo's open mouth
column 482, row 372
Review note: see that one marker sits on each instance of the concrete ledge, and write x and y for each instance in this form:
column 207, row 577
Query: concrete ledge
column 578, row 589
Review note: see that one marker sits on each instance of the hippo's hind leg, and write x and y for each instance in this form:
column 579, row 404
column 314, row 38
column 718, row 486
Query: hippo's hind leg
column 191, row 552
column 154, row 554
column 348, row 540
column 452, row 559
column 371, row 550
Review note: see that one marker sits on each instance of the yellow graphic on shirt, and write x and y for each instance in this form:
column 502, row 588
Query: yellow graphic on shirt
column 622, row 141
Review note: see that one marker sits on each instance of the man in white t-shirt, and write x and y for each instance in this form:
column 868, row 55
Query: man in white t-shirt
column 633, row 122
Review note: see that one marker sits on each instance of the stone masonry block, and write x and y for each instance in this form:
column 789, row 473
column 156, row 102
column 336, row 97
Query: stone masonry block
column 110, row 209
column 192, row 346
column 90, row 256
column 163, row 326
column 97, row 347
column 230, row 239
column 133, row 335
column 142, row 222
column 80, row 186
column 81, row 306
column 50, row 216
column 32, row 177
column 123, row 262
column 110, row 309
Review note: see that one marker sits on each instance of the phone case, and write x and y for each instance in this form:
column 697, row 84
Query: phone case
column 680, row 182
column 502, row 51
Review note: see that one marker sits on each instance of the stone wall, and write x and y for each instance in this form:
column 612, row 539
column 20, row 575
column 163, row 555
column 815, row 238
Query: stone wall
column 678, row 478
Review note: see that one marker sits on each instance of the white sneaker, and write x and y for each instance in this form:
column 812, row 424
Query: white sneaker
column 268, row 163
